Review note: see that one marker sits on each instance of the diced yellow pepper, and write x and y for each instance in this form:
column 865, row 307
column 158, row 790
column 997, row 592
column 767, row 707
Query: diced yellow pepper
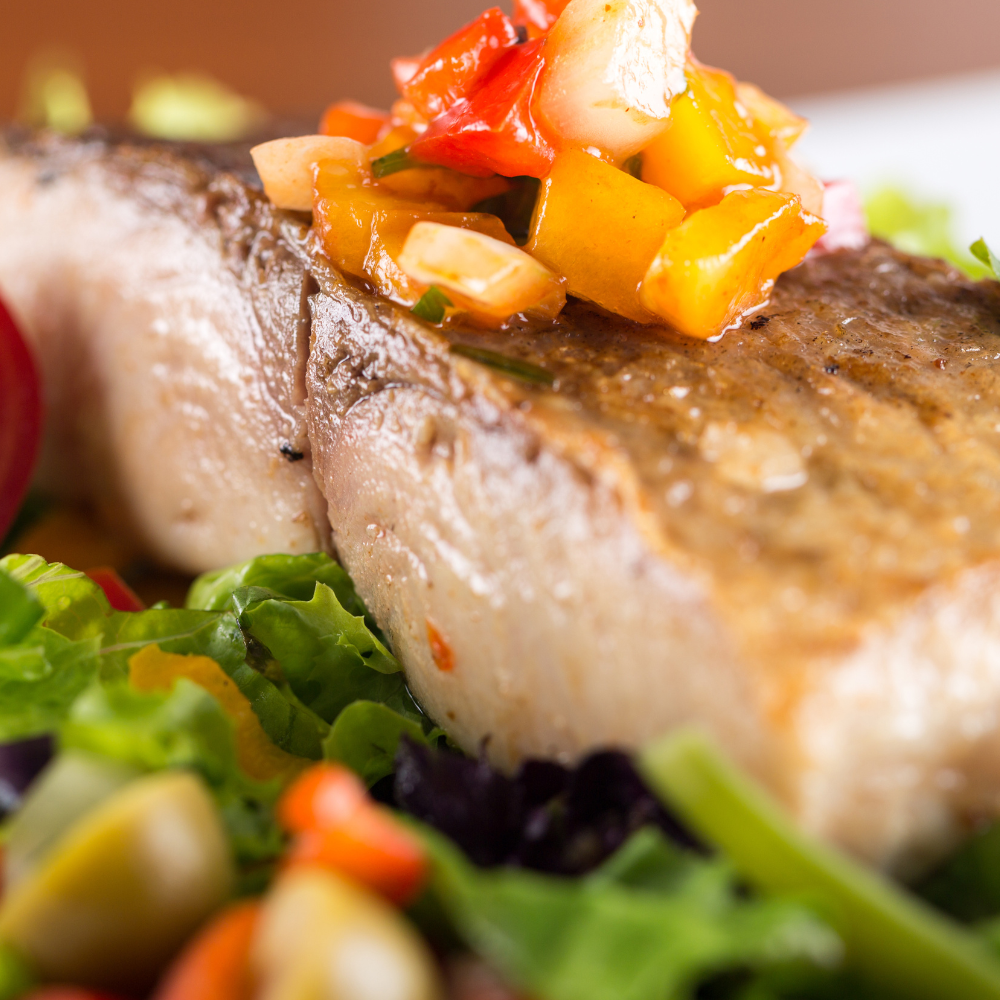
column 777, row 121
column 709, row 145
column 600, row 228
column 363, row 228
column 721, row 262
column 151, row 669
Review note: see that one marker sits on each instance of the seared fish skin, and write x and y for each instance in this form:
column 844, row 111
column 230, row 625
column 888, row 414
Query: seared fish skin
column 167, row 306
column 791, row 537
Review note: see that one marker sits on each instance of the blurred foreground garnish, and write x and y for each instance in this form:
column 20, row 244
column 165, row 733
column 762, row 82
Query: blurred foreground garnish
column 54, row 95
column 925, row 229
column 192, row 107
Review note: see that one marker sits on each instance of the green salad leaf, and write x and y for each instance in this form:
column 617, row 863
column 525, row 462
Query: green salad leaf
column 893, row 941
column 982, row 252
column 185, row 728
column 20, row 610
column 650, row 924
column 366, row 735
column 328, row 656
column 922, row 228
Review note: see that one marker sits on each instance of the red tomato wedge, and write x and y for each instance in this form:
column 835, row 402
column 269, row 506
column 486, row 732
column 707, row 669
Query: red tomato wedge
column 20, row 418
column 119, row 594
column 494, row 132
column 216, row 964
column 451, row 72
column 354, row 121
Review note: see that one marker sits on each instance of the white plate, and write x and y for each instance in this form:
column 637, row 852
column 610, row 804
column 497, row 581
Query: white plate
column 939, row 139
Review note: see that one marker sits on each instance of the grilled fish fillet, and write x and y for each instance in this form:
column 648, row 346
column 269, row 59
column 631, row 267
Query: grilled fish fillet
column 597, row 532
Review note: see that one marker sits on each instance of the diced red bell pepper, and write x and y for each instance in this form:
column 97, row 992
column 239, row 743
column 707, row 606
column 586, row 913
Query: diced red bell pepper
column 494, row 131
column 354, row 121
column 452, row 71
column 537, row 15
column 322, row 798
column 20, row 418
column 119, row 594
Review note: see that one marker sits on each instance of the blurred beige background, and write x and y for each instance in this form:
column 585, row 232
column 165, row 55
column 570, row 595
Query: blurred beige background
column 296, row 55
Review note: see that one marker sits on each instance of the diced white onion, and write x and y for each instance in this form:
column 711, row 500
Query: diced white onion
column 285, row 165
column 494, row 277
column 612, row 69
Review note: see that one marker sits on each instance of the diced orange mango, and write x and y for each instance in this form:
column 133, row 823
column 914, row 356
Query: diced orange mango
column 151, row 669
column 709, row 145
column 721, row 262
column 600, row 228
column 363, row 228
column 492, row 277
column 777, row 121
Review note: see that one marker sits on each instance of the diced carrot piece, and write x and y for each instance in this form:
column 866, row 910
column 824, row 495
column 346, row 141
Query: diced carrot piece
column 215, row 965
column 119, row 594
column 354, row 121
column 370, row 847
column 600, row 228
column 450, row 72
column 709, row 145
column 323, row 798
column 151, row 669
column 722, row 261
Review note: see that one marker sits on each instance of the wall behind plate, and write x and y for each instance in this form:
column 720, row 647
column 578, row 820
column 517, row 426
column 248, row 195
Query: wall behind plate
column 296, row 55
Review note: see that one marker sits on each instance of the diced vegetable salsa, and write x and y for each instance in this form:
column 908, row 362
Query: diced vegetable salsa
column 640, row 150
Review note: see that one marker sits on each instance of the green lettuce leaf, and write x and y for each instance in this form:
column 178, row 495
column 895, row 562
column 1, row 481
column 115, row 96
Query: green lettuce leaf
column 922, row 228
column 291, row 577
column 650, row 924
column 40, row 678
column 20, row 610
column 329, row 657
column 366, row 735
column 982, row 252
column 185, row 728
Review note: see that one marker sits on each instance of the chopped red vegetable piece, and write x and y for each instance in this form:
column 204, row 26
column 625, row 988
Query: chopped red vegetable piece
column 337, row 826
column 20, row 418
column 354, row 121
column 494, row 132
column 372, row 848
column 450, row 72
column 322, row 799
column 216, row 964
column 119, row 594
column 537, row 15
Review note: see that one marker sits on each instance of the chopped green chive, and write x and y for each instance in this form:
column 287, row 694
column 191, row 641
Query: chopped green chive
column 392, row 163
column 432, row 305
column 514, row 367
